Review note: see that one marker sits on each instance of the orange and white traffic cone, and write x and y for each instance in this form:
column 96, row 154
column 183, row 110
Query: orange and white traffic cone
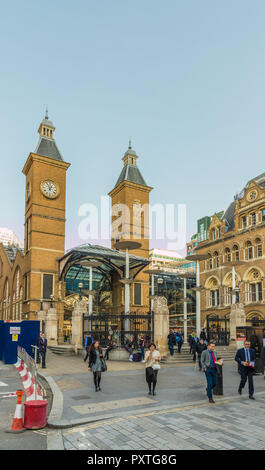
column 17, row 423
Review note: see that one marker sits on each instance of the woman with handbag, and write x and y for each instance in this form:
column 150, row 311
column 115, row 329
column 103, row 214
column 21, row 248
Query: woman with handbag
column 152, row 366
column 96, row 363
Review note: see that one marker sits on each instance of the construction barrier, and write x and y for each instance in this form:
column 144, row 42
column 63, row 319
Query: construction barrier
column 35, row 415
column 27, row 370
column 17, row 423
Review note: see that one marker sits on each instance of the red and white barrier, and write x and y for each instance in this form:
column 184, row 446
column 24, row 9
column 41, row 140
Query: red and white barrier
column 28, row 381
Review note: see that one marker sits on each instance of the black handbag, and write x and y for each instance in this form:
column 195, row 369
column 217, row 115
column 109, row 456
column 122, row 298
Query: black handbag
column 103, row 365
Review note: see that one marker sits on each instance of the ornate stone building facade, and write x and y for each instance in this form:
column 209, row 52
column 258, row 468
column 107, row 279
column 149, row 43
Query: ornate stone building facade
column 234, row 270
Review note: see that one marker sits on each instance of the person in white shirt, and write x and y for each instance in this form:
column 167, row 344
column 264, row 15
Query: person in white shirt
column 152, row 360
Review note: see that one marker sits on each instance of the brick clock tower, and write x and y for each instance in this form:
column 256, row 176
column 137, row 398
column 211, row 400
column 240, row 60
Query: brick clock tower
column 130, row 221
column 44, row 240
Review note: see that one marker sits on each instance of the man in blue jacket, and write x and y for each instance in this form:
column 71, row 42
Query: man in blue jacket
column 246, row 357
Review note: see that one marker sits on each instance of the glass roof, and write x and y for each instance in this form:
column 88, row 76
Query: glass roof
column 112, row 261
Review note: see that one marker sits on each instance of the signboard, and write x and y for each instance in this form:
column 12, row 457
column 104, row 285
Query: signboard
column 240, row 338
column 15, row 330
column 14, row 337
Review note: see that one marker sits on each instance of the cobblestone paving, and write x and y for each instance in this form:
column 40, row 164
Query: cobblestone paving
column 234, row 424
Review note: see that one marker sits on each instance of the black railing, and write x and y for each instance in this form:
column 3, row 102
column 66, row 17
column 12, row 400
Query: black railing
column 218, row 330
column 120, row 327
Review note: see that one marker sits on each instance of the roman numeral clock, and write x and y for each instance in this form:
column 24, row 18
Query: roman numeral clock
column 49, row 188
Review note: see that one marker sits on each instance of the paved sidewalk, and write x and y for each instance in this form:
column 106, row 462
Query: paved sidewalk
column 124, row 389
column 237, row 424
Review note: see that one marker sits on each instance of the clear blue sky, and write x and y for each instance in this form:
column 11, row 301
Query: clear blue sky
column 184, row 79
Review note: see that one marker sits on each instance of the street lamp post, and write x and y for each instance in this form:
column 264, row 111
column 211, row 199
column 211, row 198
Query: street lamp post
column 80, row 287
column 152, row 273
column 233, row 264
column 91, row 264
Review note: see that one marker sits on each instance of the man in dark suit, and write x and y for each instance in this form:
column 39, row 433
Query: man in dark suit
column 42, row 345
column 246, row 357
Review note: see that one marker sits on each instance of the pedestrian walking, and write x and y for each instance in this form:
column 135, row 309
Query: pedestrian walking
column 42, row 345
column 88, row 341
column 171, row 342
column 194, row 342
column 95, row 363
column 246, row 358
column 152, row 361
column 109, row 347
column 203, row 335
column 190, row 340
column 200, row 347
column 129, row 345
column 262, row 357
column 208, row 362
column 142, row 343
column 179, row 339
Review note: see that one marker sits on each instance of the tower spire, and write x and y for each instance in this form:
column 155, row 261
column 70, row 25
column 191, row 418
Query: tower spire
column 46, row 113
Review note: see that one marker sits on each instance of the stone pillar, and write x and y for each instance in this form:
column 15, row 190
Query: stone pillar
column 51, row 327
column 161, row 324
column 41, row 316
column 237, row 318
column 80, row 307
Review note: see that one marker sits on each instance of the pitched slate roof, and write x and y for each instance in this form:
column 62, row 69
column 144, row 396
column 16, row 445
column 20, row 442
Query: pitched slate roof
column 48, row 148
column 11, row 252
column 131, row 173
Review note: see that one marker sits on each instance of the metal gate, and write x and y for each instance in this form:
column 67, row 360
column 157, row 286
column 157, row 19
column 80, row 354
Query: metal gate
column 119, row 327
column 218, row 329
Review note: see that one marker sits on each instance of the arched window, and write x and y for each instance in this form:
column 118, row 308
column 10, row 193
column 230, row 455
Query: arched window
column 253, row 218
column 244, row 221
column 253, row 287
column 210, row 261
column 14, row 306
column 235, row 253
column 216, row 259
column 258, row 247
column 212, row 293
column 249, row 250
column 17, row 294
column 6, row 301
column 227, row 255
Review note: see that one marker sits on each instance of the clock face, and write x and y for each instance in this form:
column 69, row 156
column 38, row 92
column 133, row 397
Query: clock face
column 49, row 189
column 28, row 191
column 252, row 195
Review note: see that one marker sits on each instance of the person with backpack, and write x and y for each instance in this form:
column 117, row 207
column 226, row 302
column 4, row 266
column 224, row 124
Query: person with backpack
column 171, row 342
column 179, row 340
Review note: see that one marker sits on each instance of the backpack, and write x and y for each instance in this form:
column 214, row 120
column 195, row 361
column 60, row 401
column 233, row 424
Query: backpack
column 137, row 357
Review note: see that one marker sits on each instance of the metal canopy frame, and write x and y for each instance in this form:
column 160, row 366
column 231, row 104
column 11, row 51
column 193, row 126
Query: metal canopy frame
column 113, row 261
